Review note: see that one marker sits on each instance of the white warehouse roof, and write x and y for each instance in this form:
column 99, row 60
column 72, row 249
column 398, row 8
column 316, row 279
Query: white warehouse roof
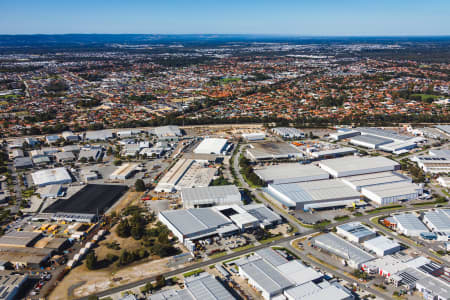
column 350, row 165
column 293, row 172
column 211, row 146
column 301, row 193
column 359, row 181
column 51, row 176
column 211, row 195
column 381, row 245
column 392, row 192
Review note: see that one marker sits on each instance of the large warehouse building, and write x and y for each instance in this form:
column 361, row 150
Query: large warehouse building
column 210, row 196
column 51, row 176
column 288, row 173
column 382, row 246
column 369, row 141
column 213, row 146
column 392, row 192
column 360, row 181
column 350, row 165
column 314, row 194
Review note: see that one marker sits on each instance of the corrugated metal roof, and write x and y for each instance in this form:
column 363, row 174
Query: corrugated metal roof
column 206, row 287
column 266, row 276
column 210, row 192
column 370, row 139
column 293, row 170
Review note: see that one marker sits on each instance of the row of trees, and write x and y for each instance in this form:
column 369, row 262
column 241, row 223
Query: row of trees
column 248, row 172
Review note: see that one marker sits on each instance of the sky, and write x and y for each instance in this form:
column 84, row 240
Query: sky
column 280, row 17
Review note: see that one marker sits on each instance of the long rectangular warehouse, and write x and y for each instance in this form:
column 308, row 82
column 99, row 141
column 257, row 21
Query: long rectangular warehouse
column 210, row 196
column 392, row 192
column 288, row 173
column 314, row 194
column 369, row 141
column 359, row 181
column 350, row 166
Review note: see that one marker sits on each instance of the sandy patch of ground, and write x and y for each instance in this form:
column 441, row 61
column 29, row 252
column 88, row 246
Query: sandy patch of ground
column 96, row 281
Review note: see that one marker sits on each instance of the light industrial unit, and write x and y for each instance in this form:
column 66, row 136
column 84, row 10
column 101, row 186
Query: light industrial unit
column 355, row 232
column 382, row 246
column 354, row 256
column 51, row 176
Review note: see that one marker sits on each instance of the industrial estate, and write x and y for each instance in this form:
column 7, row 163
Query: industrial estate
column 215, row 167
column 228, row 212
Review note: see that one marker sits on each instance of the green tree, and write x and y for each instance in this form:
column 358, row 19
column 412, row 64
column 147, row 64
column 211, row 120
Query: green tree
column 139, row 185
column 123, row 229
column 91, row 261
column 148, row 287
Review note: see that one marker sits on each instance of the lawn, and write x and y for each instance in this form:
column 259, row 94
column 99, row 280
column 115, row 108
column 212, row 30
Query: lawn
column 425, row 96
column 243, row 248
column 193, row 272
column 384, row 208
column 218, row 254
column 271, row 239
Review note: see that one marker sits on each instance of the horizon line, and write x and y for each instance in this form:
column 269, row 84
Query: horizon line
column 236, row 34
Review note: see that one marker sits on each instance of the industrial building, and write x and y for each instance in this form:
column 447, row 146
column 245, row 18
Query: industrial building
column 19, row 239
column 350, row 166
column 125, row 171
column 360, row 181
column 196, row 223
column 314, row 194
column 369, row 141
column 200, row 287
column 11, row 285
column 437, row 220
column 51, row 176
column 355, row 232
column 382, row 246
column 167, row 131
column 98, row 135
column 63, row 157
column 288, row 132
column 433, row 164
column 343, row 133
column 392, row 192
column 353, row 256
column 213, row 146
column 273, row 151
column 22, row 162
column 186, row 173
column 254, row 136
column 200, row 223
column 323, row 290
column 332, row 153
column 265, row 278
column 408, row 224
column 25, row 256
column 291, row 172
column 210, row 196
